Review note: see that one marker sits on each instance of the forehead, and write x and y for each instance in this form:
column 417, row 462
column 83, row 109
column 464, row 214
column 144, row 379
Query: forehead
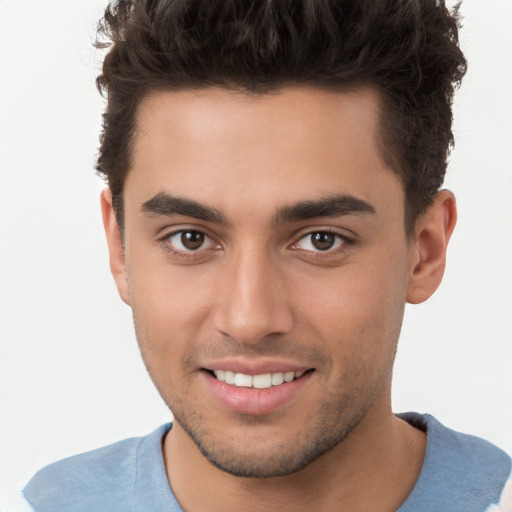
column 294, row 113
column 285, row 146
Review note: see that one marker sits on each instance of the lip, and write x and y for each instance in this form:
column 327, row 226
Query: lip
column 255, row 401
column 255, row 367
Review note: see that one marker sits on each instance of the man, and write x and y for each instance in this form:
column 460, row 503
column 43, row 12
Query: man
column 274, row 174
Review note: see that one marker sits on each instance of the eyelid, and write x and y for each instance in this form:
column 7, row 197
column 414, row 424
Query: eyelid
column 214, row 245
column 346, row 241
column 164, row 240
column 169, row 231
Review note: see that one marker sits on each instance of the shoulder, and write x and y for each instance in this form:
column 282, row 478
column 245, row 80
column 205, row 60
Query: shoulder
column 99, row 480
column 460, row 471
column 469, row 458
column 505, row 504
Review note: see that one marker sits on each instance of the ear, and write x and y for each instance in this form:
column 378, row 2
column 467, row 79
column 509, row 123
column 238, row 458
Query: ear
column 115, row 245
column 428, row 247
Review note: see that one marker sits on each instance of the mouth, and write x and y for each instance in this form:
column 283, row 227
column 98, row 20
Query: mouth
column 250, row 387
column 260, row 381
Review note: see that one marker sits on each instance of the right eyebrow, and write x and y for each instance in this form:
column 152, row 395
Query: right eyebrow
column 167, row 205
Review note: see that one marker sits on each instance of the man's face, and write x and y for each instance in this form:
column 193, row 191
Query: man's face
column 264, row 238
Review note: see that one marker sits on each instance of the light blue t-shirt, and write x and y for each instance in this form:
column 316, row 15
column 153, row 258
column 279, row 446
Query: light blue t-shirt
column 460, row 473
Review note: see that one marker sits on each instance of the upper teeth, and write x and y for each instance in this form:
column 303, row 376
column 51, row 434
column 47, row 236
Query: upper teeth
column 265, row 380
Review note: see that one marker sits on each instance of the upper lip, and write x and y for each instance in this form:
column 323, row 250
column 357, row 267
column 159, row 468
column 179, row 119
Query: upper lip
column 257, row 367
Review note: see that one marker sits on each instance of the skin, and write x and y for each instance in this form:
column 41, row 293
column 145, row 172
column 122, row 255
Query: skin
column 259, row 292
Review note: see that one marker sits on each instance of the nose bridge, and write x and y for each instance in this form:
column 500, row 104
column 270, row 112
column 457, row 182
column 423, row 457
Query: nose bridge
column 253, row 302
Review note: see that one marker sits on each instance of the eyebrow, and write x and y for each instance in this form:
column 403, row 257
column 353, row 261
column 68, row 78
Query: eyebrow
column 168, row 205
column 331, row 206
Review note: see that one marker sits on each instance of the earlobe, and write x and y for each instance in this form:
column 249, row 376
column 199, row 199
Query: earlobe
column 115, row 246
column 428, row 249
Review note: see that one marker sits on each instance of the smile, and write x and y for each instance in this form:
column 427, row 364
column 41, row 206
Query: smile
column 248, row 392
column 262, row 381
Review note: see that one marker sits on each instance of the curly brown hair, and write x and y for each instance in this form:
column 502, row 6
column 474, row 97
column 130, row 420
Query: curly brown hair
column 406, row 49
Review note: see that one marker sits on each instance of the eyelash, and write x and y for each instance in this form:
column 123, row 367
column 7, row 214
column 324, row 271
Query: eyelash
column 165, row 241
column 346, row 242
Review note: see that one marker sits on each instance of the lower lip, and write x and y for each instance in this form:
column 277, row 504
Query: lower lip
column 255, row 401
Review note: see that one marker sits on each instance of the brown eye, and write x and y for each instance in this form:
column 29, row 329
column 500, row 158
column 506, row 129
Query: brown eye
column 192, row 240
column 189, row 240
column 322, row 241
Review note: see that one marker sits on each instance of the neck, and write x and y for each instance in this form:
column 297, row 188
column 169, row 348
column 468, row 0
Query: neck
column 372, row 469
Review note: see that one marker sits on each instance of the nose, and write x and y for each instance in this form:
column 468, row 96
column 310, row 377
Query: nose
column 253, row 302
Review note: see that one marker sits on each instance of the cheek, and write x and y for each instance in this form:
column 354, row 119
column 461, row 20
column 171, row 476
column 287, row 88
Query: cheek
column 362, row 332
column 170, row 304
column 359, row 305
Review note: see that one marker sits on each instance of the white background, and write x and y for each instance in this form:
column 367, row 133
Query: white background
column 70, row 374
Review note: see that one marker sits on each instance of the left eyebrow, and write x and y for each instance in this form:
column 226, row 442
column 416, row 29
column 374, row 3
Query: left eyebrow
column 331, row 206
